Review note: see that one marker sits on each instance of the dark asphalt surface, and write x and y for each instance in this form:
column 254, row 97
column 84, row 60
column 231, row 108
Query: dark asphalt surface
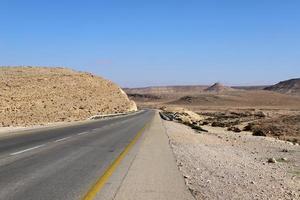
column 63, row 163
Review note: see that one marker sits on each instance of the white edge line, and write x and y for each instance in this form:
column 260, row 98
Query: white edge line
column 25, row 150
column 59, row 140
column 86, row 132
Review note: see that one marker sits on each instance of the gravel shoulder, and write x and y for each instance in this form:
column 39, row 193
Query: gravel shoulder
column 225, row 165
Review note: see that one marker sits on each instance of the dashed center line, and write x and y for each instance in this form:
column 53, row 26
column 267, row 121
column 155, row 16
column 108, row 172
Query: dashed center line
column 25, row 150
column 65, row 138
column 62, row 139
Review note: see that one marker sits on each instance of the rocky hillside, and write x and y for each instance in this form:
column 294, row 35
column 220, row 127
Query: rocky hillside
column 291, row 86
column 39, row 95
column 218, row 87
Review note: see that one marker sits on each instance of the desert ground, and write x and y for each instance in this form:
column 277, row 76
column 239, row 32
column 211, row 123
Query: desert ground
column 228, row 142
column 232, row 142
column 220, row 164
column 265, row 112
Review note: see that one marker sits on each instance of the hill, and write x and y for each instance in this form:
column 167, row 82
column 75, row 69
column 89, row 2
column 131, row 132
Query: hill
column 291, row 86
column 217, row 95
column 218, row 87
column 259, row 98
column 167, row 90
column 39, row 95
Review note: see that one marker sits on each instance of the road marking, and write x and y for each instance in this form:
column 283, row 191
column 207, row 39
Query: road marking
column 25, row 150
column 86, row 132
column 91, row 194
column 62, row 139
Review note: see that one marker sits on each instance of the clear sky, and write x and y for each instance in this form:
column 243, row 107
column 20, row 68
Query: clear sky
column 156, row 42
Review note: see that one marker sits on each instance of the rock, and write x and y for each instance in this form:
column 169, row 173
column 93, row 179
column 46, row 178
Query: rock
column 132, row 106
column 204, row 123
column 272, row 160
column 260, row 114
column 186, row 120
column 259, row 133
column 285, row 150
column 186, row 176
column 217, row 124
column 284, row 159
column 180, row 113
column 164, row 117
column 248, row 127
column 197, row 127
column 234, row 129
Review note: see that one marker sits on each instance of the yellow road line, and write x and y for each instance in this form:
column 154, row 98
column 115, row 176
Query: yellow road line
column 90, row 195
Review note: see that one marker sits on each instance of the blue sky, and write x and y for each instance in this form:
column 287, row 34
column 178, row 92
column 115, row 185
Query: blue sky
column 163, row 42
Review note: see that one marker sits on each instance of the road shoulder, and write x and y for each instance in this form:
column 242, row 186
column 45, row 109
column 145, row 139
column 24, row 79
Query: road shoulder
column 149, row 171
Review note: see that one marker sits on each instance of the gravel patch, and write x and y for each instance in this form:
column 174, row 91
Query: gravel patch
column 222, row 164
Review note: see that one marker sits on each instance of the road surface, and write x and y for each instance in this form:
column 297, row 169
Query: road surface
column 63, row 163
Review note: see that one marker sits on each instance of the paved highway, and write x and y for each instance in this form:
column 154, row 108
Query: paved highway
column 63, row 163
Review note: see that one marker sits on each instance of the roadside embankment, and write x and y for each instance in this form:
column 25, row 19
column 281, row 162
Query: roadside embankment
column 42, row 95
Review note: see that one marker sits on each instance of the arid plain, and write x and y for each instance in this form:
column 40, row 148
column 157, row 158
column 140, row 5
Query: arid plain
column 232, row 142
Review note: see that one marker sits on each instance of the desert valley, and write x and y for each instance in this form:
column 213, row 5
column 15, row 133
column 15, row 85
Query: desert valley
column 266, row 110
column 150, row 100
column 232, row 142
column 228, row 142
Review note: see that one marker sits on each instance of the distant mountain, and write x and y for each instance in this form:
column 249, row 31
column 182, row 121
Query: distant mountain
column 168, row 90
column 291, row 86
column 218, row 87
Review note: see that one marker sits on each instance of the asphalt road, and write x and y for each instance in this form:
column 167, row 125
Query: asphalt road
column 63, row 163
